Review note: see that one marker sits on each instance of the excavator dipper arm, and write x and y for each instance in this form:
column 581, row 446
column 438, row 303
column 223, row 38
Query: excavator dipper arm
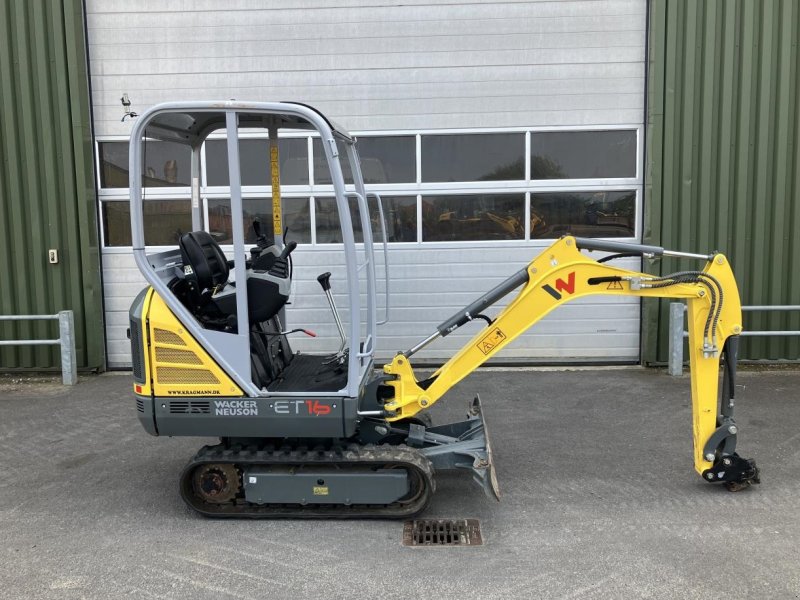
column 560, row 274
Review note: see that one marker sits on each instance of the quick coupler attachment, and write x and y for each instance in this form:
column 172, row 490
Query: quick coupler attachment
column 735, row 472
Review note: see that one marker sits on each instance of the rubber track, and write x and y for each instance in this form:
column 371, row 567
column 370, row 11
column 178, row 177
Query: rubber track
column 419, row 467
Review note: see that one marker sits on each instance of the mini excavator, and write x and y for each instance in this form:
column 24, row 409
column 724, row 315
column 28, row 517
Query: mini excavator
column 304, row 435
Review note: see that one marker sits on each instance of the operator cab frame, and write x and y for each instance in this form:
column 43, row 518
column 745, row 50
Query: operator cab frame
column 219, row 314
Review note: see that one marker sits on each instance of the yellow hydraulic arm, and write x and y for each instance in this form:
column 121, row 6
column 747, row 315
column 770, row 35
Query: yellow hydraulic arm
column 560, row 274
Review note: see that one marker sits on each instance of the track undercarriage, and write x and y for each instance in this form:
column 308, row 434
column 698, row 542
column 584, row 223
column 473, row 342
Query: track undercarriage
column 338, row 479
column 222, row 481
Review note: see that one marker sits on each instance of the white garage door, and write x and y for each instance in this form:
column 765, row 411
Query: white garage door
column 488, row 128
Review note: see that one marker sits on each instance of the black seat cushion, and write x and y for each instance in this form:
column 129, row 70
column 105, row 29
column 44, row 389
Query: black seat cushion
column 206, row 258
column 210, row 270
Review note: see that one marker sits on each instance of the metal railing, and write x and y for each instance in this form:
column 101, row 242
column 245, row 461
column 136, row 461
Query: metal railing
column 66, row 340
column 677, row 310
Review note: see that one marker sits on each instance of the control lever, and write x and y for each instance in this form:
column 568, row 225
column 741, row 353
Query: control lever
column 325, row 282
column 261, row 238
column 308, row 332
column 261, row 243
column 288, row 249
column 279, row 267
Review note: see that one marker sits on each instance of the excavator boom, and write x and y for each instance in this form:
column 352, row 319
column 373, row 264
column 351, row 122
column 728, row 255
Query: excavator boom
column 562, row 273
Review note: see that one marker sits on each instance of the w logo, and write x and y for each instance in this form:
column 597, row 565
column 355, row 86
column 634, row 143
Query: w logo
column 567, row 286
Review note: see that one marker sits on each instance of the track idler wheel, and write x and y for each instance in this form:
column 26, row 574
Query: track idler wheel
column 216, row 483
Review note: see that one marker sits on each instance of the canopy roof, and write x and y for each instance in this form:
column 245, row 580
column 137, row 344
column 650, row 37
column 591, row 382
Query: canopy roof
column 193, row 125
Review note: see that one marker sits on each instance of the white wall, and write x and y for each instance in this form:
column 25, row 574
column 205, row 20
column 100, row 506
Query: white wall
column 389, row 67
column 417, row 65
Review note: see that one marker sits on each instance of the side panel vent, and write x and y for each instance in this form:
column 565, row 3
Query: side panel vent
column 140, row 405
column 190, row 406
column 162, row 336
column 173, row 355
column 181, row 376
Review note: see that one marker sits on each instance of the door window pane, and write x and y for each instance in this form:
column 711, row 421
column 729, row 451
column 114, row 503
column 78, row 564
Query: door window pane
column 583, row 154
column 473, row 157
column 296, row 216
column 388, row 159
column 329, row 231
column 473, row 217
column 322, row 172
column 165, row 221
column 255, row 162
column 400, row 214
column 166, row 164
column 584, row 214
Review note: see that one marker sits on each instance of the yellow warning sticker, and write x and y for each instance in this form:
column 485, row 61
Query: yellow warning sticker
column 321, row 490
column 614, row 285
column 491, row 340
column 277, row 212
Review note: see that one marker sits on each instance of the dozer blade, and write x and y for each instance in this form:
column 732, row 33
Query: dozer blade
column 465, row 445
column 493, row 486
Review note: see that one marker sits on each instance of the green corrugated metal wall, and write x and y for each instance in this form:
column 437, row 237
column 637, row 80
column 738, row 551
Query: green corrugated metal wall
column 47, row 193
column 723, row 163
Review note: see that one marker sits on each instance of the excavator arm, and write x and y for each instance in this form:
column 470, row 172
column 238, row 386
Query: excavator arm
column 560, row 274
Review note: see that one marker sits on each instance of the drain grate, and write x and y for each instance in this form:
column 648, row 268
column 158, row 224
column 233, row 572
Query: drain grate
column 442, row 532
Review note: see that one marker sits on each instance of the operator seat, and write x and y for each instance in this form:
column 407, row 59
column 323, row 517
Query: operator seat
column 211, row 297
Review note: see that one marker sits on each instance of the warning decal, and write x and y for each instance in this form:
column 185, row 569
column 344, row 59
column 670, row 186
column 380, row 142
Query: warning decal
column 614, row 285
column 491, row 340
column 277, row 213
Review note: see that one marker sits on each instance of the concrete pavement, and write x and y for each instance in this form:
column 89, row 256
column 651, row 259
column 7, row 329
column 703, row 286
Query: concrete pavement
column 599, row 501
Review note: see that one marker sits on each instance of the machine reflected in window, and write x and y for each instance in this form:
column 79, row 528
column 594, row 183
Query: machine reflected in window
column 473, row 217
column 584, row 214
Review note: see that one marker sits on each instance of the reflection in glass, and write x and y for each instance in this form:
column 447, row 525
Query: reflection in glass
column 584, row 214
column 583, row 154
column 322, row 172
column 296, row 217
column 329, row 230
column 473, row 157
column 388, row 159
column 400, row 214
column 164, row 222
column 473, row 217
column 166, row 164
column 255, row 162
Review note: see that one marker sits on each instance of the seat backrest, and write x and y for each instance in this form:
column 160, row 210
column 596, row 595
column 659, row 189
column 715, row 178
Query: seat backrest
column 202, row 252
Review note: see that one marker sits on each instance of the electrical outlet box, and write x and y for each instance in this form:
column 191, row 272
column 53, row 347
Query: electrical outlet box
column 52, row 256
